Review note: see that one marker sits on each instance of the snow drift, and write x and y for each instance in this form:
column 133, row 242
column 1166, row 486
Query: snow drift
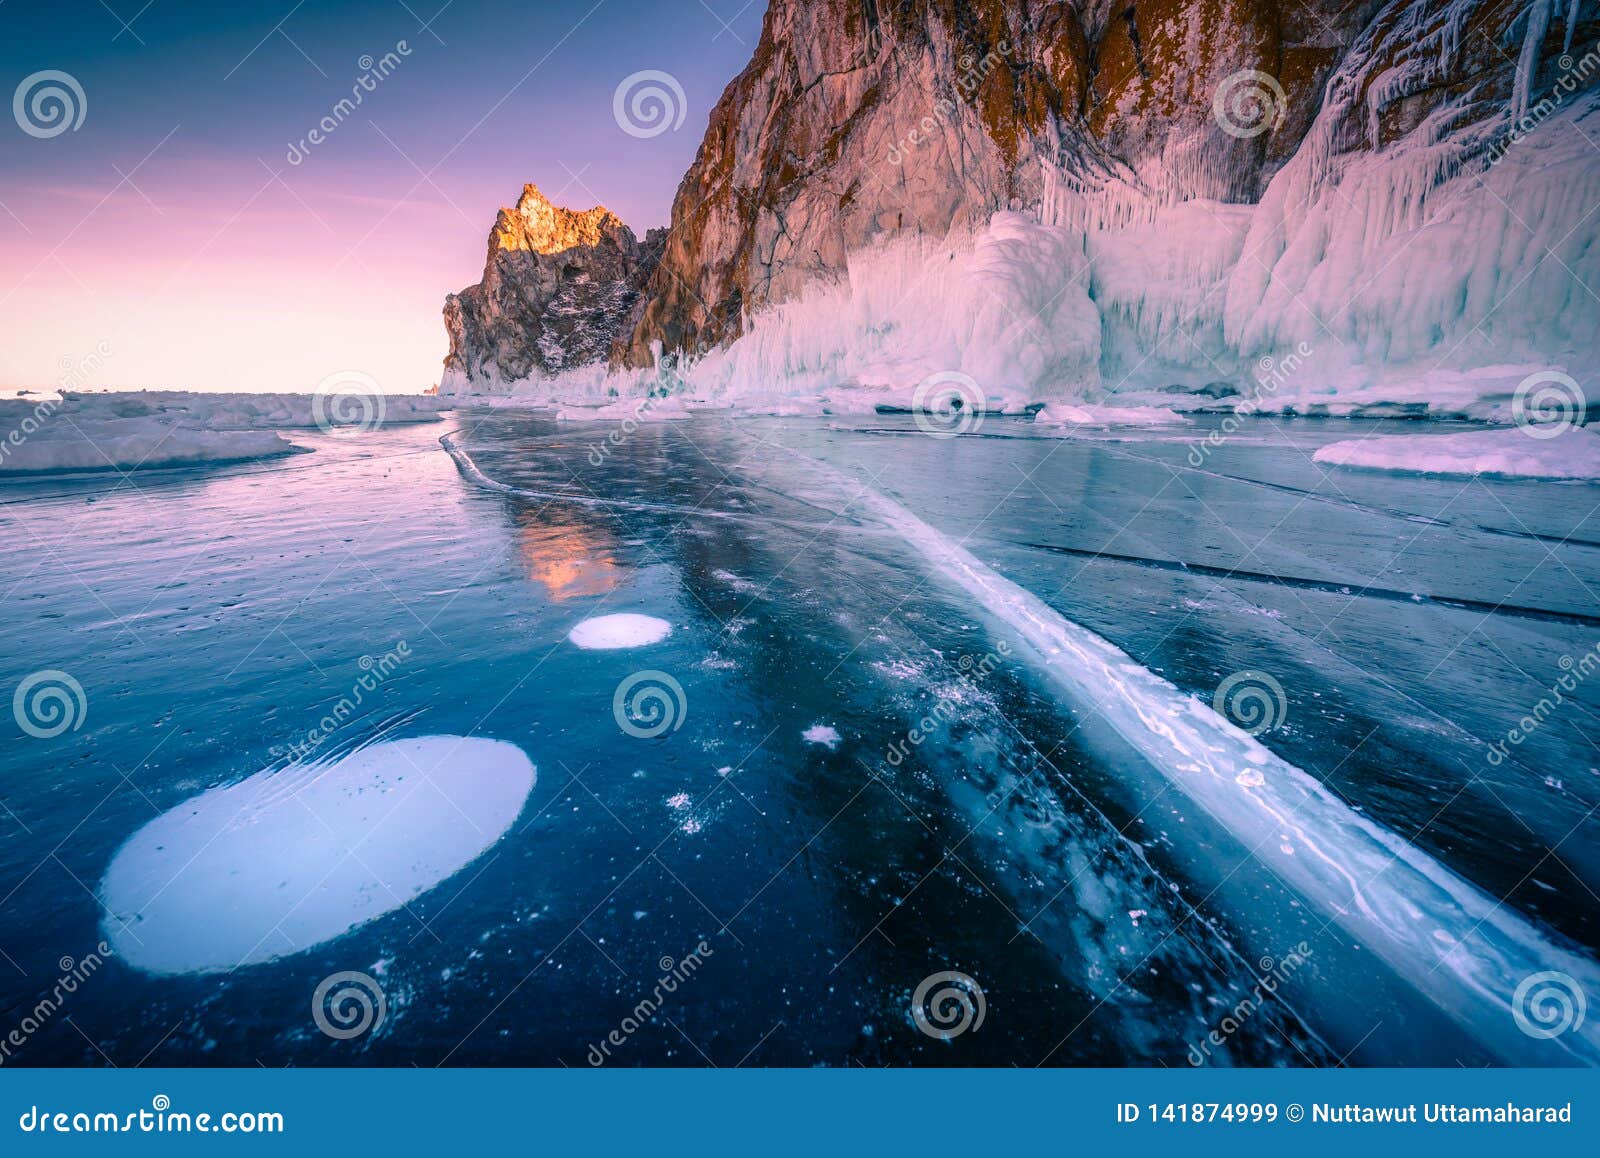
column 61, row 444
column 1566, row 453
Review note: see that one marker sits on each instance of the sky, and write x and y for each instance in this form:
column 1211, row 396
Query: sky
column 179, row 228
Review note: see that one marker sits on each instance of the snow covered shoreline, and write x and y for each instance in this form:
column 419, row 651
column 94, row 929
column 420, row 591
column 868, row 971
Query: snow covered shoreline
column 146, row 429
column 1570, row 454
column 131, row 444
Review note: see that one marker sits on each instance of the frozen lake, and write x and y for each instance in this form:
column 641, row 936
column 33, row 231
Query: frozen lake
column 824, row 749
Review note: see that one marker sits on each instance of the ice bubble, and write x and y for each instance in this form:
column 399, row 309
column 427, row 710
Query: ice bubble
column 289, row 858
column 609, row 632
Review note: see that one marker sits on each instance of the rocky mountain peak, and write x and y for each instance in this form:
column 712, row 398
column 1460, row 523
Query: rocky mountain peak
column 536, row 225
column 558, row 285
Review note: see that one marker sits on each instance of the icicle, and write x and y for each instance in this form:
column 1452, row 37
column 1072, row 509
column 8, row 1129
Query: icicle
column 1572, row 27
column 1538, row 16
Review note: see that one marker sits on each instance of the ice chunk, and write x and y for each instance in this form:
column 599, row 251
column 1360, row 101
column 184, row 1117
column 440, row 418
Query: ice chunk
column 1069, row 414
column 359, row 404
column 1570, row 453
column 63, row 444
column 609, row 632
column 289, row 858
column 822, row 734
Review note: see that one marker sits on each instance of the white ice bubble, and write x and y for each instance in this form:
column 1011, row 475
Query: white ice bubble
column 287, row 859
column 822, row 734
column 609, row 632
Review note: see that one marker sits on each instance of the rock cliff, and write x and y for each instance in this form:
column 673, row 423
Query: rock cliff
column 1375, row 179
column 557, row 288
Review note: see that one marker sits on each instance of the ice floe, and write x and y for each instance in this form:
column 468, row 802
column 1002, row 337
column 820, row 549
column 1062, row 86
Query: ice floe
column 130, row 444
column 1571, row 452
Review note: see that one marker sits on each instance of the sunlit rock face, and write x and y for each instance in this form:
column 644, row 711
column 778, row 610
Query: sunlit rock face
column 557, row 287
column 859, row 120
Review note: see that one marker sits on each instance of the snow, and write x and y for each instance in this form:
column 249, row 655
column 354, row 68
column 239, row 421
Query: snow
column 61, row 443
column 1068, row 414
column 291, row 858
column 1571, row 453
column 610, row 632
column 1386, row 893
column 351, row 403
column 824, row 734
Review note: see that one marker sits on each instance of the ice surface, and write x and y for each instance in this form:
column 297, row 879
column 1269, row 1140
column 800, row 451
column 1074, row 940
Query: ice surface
column 1447, row 938
column 610, row 632
column 64, row 444
column 289, row 858
column 1564, row 453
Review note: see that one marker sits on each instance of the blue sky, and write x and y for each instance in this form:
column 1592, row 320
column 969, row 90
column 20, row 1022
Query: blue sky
column 170, row 230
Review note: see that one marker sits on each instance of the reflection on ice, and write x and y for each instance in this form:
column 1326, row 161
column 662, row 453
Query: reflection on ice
column 290, row 858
